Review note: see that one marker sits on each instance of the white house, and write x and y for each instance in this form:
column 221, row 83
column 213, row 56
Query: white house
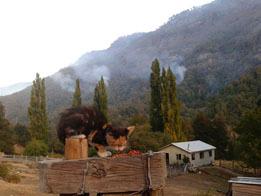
column 199, row 153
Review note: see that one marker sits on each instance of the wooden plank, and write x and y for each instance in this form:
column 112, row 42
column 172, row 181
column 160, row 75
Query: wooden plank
column 121, row 194
column 246, row 189
column 104, row 175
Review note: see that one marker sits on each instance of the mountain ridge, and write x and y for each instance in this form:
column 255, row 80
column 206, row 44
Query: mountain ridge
column 207, row 47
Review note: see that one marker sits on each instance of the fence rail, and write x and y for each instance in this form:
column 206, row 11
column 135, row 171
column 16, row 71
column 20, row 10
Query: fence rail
column 22, row 158
column 175, row 170
column 238, row 166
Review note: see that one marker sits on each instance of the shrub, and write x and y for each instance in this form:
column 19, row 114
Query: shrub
column 92, row 152
column 55, row 155
column 185, row 159
column 142, row 139
column 4, row 170
column 36, row 148
column 7, row 175
column 13, row 178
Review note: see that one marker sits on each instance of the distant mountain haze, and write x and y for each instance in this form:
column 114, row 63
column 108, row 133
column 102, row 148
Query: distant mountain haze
column 207, row 48
column 13, row 88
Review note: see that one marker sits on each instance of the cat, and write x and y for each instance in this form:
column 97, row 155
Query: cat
column 92, row 123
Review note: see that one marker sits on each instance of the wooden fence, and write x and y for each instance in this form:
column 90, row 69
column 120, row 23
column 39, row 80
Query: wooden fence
column 175, row 170
column 238, row 167
column 23, row 159
column 136, row 175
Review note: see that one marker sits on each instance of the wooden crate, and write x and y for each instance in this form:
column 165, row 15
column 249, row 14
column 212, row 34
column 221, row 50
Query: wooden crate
column 105, row 175
column 246, row 189
column 248, row 186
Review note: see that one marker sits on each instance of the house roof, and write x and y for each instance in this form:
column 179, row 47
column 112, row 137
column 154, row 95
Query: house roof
column 246, row 180
column 192, row 146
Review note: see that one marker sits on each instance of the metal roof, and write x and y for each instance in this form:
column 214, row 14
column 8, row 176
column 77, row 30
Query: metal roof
column 192, row 146
column 246, row 180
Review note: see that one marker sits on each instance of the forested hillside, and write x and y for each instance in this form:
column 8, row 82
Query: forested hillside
column 238, row 98
column 208, row 48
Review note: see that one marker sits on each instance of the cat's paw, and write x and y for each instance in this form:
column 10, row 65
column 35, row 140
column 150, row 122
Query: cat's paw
column 104, row 154
column 109, row 153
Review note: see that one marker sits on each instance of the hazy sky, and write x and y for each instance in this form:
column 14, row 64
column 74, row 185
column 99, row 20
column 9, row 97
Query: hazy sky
column 46, row 35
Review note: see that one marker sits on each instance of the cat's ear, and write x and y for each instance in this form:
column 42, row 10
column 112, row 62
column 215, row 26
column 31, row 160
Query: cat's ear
column 130, row 130
column 104, row 126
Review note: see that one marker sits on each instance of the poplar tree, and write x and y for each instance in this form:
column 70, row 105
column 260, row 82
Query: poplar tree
column 100, row 98
column 164, row 95
column 38, row 120
column 6, row 135
column 44, row 117
column 174, row 123
column 156, row 118
column 77, row 100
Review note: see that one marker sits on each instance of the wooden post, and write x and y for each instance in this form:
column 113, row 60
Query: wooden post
column 157, row 192
column 76, row 148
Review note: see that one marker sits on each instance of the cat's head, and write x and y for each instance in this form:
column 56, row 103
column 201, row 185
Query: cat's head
column 117, row 138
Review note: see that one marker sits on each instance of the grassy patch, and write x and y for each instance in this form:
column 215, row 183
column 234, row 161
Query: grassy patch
column 7, row 173
column 55, row 155
column 4, row 170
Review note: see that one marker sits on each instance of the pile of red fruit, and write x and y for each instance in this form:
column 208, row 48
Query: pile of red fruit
column 131, row 153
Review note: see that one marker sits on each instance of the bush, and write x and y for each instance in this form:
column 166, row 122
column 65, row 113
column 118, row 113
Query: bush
column 185, row 160
column 4, row 170
column 7, row 175
column 13, row 178
column 142, row 139
column 55, row 155
column 92, row 152
column 36, row 148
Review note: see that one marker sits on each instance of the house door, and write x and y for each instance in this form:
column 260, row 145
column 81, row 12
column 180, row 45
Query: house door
column 167, row 159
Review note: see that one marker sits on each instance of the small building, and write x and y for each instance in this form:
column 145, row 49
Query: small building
column 244, row 186
column 198, row 153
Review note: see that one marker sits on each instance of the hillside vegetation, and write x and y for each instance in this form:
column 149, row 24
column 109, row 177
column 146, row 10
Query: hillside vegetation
column 209, row 48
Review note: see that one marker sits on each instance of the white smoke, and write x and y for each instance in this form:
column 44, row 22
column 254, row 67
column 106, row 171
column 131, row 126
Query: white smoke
column 179, row 72
column 93, row 73
column 89, row 74
column 177, row 67
column 65, row 81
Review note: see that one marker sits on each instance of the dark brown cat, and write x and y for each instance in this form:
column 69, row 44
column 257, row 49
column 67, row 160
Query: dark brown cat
column 92, row 123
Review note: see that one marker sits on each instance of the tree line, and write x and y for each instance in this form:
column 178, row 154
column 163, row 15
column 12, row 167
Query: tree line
column 36, row 136
column 163, row 124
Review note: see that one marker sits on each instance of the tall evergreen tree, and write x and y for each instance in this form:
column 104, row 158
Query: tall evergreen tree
column 164, row 95
column 44, row 115
column 156, row 118
column 6, row 135
column 77, row 100
column 248, row 144
column 22, row 134
column 213, row 132
column 100, row 98
column 38, row 120
column 174, row 124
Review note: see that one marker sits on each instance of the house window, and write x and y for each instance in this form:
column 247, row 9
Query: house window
column 178, row 156
column 201, row 155
column 210, row 153
column 193, row 156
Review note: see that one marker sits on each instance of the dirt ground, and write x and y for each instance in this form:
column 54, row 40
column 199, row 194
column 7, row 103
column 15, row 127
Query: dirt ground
column 188, row 184
column 194, row 184
column 28, row 185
